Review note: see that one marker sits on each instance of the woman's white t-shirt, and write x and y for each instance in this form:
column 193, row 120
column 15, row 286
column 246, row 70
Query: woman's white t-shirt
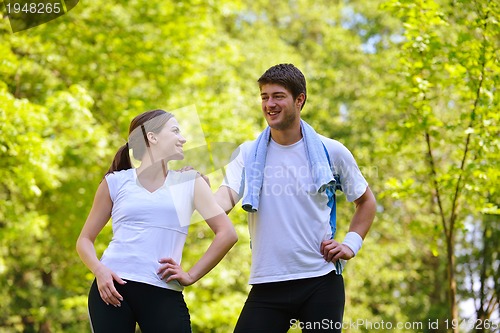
column 148, row 226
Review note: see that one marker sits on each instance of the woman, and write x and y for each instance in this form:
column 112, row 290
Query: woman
column 139, row 279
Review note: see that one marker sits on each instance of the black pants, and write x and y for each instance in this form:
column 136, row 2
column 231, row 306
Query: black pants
column 313, row 304
column 155, row 309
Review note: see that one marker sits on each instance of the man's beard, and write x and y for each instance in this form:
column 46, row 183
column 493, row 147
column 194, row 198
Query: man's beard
column 286, row 123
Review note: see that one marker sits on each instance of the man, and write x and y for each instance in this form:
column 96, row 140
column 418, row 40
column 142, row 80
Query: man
column 286, row 179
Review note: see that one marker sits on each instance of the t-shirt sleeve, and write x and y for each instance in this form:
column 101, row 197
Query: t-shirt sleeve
column 112, row 180
column 352, row 180
column 181, row 188
column 234, row 176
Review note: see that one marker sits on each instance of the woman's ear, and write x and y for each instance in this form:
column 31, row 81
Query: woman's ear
column 152, row 137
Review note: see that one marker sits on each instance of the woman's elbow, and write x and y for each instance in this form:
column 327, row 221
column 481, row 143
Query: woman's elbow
column 79, row 244
column 224, row 229
column 232, row 236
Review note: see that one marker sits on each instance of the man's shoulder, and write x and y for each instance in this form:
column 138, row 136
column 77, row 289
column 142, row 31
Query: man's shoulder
column 337, row 151
column 247, row 144
column 243, row 149
column 331, row 144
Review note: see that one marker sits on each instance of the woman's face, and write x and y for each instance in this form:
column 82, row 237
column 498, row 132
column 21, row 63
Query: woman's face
column 169, row 141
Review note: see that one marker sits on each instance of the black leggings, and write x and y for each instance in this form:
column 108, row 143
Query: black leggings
column 313, row 304
column 155, row 309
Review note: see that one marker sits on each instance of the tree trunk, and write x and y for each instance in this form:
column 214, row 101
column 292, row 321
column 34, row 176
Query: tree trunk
column 452, row 283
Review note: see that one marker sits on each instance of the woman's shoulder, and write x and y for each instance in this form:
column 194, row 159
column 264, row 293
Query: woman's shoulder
column 181, row 176
column 120, row 175
column 117, row 179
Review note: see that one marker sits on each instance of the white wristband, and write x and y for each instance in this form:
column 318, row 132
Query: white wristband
column 354, row 241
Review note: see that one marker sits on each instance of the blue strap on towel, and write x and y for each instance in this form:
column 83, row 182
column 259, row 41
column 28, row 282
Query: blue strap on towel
column 332, row 203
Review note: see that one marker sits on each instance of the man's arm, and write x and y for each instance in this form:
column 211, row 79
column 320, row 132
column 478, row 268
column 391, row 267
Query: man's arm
column 364, row 215
column 226, row 198
column 360, row 224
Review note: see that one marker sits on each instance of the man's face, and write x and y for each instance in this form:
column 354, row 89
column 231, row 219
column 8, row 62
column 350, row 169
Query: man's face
column 280, row 109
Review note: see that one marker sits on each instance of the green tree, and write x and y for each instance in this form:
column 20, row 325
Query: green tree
column 450, row 64
column 408, row 86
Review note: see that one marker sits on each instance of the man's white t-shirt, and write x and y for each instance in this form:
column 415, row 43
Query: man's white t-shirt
column 293, row 219
column 147, row 225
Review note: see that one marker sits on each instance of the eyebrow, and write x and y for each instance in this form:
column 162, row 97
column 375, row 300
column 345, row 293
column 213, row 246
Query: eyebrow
column 274, row 93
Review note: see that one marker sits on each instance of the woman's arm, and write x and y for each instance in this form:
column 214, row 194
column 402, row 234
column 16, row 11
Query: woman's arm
column 226, row 198
column 98, row 217
column 225, row 238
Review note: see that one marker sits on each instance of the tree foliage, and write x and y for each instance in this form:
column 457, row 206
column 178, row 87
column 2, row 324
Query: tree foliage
column 410, row 87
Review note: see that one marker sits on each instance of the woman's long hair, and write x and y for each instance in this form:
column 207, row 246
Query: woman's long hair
column 149, row 121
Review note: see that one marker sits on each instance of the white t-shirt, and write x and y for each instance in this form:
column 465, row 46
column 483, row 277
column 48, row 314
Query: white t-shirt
column 147, row 225
column 287, row 230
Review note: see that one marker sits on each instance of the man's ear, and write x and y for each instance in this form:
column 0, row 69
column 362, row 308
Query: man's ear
column 300, row 100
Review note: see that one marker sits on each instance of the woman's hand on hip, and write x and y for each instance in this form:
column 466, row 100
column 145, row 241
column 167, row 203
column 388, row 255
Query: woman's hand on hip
column 170, row 270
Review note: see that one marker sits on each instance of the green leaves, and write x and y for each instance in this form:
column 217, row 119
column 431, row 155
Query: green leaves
column 400, row 83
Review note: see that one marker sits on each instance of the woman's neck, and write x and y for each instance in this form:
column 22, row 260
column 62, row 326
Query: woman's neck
column 151, row 171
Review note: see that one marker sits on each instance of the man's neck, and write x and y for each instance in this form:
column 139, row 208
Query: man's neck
column 287, row 137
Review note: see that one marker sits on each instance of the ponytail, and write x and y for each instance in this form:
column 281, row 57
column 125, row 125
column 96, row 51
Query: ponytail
column 121, row 160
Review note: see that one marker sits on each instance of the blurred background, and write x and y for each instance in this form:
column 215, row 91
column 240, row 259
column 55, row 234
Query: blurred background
column 410, row 87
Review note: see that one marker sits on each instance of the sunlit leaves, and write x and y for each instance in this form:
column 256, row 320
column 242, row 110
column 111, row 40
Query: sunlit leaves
column 381, row 75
